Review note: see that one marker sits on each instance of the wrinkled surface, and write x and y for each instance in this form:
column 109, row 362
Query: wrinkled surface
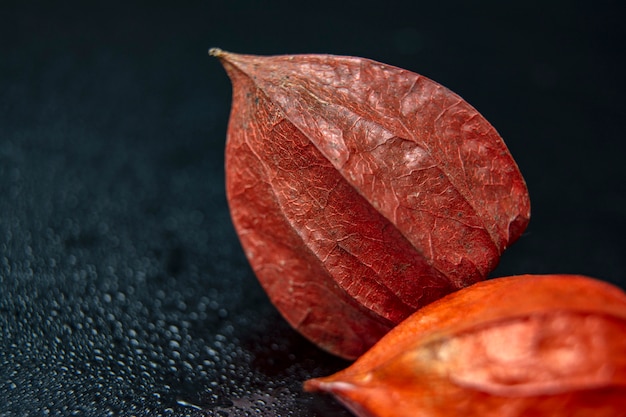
column 361, row 191
column 517, row 346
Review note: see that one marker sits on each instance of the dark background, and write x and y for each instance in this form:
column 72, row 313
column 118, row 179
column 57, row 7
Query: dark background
column 123, row 288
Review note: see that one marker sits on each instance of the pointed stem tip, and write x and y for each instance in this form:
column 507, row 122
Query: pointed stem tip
column 216, row 52
column 315, row 385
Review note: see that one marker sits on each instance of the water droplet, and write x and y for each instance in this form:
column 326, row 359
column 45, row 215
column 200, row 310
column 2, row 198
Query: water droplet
column 185, row 403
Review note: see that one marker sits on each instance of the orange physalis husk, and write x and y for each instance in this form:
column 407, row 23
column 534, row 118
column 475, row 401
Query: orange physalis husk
column 529, row 345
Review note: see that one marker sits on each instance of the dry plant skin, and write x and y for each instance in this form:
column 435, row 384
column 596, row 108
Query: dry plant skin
column 551, row 345
column 361, row 191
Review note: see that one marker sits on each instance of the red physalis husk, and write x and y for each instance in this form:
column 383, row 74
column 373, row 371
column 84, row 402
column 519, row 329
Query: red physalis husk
column 545, row 345
column 361, row 191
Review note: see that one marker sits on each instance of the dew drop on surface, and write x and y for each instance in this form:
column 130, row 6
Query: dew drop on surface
column 185, row 403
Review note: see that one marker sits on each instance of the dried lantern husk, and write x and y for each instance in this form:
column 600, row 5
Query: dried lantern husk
column 361, row 191
column 528, row 345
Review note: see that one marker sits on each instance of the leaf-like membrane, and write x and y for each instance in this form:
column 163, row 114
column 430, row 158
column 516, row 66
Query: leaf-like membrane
column 533, row 346
column 361, row 191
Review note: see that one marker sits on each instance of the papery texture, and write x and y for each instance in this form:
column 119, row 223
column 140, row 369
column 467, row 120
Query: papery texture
column 551, row 345
column 361, row 191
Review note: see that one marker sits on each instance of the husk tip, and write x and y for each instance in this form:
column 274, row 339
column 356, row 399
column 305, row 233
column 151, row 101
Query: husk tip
column 314, row 385
column 216, row 52
column 329, row 384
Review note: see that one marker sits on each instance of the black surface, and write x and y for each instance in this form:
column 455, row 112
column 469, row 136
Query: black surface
column 123, row 288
